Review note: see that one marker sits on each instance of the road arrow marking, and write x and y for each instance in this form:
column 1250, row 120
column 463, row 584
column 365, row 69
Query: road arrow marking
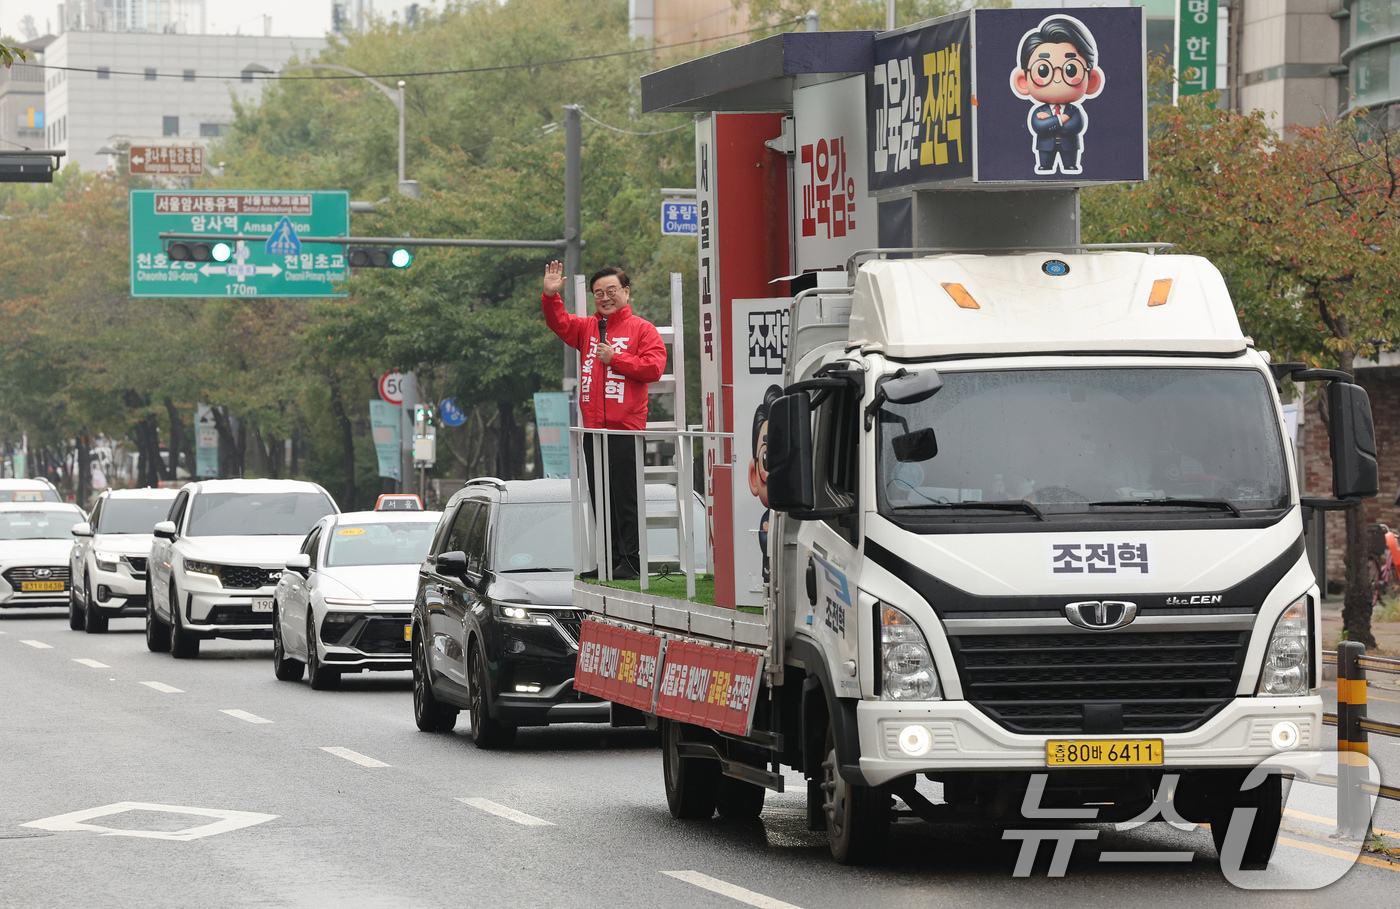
column 245, row 716
column 38, row 645
column 353, row 756
column 93, row 663
column 510, row 814
column 733, row 891
column 162, row 687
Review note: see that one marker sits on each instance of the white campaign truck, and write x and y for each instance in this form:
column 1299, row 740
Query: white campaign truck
column 1035, row 528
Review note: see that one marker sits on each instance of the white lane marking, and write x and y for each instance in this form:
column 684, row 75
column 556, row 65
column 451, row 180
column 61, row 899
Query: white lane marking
column 225, row 821
column 161, row 686
column 38, row 645
column 510, row 814
column 246, row 716
column 92, row 663
column 353, row 756
column 733, row 891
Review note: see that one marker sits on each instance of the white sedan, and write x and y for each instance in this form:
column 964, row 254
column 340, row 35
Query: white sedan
column 35, row 538
column 345, row 601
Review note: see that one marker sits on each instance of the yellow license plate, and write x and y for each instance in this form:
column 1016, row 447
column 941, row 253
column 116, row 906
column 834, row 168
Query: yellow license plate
column 1103, row 752
column 408, row 632
column 41, row 586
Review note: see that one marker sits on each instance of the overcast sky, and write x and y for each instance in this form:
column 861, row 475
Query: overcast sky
column 301, row 18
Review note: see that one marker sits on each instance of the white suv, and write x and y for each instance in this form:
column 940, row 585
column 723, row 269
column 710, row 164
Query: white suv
column 108, row 562
column 215, row 562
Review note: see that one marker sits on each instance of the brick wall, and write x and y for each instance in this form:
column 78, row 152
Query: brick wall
column 1383, row 387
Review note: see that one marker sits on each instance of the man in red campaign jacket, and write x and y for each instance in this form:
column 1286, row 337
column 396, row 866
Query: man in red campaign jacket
column 622, row 355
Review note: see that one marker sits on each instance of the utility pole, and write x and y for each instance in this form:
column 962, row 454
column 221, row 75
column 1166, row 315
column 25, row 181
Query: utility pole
column 573, row 222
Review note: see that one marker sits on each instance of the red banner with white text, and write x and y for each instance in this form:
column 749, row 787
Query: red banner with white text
column 709, row 686
column 618, row 664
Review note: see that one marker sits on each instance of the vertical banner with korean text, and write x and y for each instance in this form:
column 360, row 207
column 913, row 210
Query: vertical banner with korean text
column 206, row 443
column 552, row 429
column 1196, row 50
column 384, row 423
column 835, row 215
column 711, row 378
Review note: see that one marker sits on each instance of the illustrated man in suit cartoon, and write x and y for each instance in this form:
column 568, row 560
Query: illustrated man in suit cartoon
column 1058, row 69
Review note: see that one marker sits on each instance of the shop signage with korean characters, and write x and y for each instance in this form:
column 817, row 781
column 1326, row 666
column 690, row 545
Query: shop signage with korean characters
column 618, row 665
column 1010, row 96
column 163, row 160
column 1196, row 47
column 1099, row 558
column 252, row 270
column 709, row 686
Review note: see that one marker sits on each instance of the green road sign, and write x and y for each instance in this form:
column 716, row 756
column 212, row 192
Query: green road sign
column 282, row 267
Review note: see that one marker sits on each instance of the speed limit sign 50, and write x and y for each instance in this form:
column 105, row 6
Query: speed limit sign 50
column 391, row 386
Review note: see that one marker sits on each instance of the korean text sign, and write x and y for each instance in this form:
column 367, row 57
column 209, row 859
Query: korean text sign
column 709, row 686
column 1196, row 50
column 618, row 664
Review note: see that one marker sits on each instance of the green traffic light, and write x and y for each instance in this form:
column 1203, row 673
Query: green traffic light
column 221, row 252
column 401, row 258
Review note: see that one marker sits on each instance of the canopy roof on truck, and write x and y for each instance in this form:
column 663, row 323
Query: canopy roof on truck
column 956, row 305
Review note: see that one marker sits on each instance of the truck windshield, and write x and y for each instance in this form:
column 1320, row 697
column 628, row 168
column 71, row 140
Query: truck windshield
column 1086, row 441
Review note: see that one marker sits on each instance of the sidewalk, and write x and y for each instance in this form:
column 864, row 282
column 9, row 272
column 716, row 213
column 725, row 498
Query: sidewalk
column 1387, row 637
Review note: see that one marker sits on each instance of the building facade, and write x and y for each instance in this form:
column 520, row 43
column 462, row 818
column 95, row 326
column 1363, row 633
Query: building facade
column 128, row 85
column 22, row 99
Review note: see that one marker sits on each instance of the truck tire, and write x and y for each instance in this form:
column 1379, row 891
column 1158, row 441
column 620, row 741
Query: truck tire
column 322, row 677
column 284, row 667
column 429, row 714
column 486, row 732
column 1267, row 801
column 692, row 784
column 157, row 632
column 183, row 645
column 737, row 800
column 857, row 817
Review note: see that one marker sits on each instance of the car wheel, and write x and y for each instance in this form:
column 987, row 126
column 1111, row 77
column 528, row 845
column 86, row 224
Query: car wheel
column 157, row 632
column 183, row 644
column 321, row 677
column 93, row 620
column 75, row 610
column 692, row 784
column 1266, row 800
column 284, row 667
column 430, row 714
column 486, row 732
column 857, row 817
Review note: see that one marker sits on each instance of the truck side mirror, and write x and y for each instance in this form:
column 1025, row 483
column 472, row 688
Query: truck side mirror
column 919, row 445
column 790, row 486
column 1352, row 443
column 913, row 388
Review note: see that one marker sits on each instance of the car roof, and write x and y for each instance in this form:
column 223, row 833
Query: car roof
column 547, row 490
column 382, row 517
column 246, row 485
column 142, row 492
column 24, row 483
column 40, row 506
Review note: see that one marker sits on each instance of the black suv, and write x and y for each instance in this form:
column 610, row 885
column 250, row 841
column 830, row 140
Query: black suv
column 494, row 631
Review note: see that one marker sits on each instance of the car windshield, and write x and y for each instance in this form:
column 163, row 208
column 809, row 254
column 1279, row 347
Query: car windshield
column 388, row 543
column 535, row 538
column 256, row 514
column 1076, row 441
column 37, row 525
column 131, row 515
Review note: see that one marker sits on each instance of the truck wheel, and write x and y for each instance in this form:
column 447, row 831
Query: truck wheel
column 157, row 632
column 692, row 784
column 183, row 645
column 430, row 714
column 94, row 622
column 284, row 667
column 1267, row 801
column 738, row 800
column 857, row 817
column 486, row 732
column 321, row 677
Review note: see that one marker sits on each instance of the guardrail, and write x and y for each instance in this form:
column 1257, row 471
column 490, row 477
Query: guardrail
column 1353, row 782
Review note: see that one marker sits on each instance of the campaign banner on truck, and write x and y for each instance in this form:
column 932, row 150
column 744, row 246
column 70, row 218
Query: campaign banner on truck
column 618, row 664
column 709, row 686
column 835, row 215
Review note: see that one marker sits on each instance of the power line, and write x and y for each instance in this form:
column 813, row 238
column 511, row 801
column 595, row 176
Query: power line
column 629, row 132
column 266, row 77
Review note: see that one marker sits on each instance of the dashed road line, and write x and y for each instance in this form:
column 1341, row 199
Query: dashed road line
column 245, row 716
column 510, row 814
column 162, row 687
column 38, row 645
column 353, row 756
column 733, row 891
column 92, row 663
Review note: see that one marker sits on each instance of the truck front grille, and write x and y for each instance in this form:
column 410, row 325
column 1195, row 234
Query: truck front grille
column 1040, row 684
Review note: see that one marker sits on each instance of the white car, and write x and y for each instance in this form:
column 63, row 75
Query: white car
column 345, row 601
column 108, row 560
column 215, row 562
column 21, row 490
column 35, row 538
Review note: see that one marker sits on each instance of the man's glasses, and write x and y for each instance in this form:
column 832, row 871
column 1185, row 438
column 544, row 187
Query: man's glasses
column 613, row 292
column 1072, row 73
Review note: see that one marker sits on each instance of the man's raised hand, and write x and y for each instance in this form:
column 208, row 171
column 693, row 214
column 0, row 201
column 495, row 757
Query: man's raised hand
column 553, row 277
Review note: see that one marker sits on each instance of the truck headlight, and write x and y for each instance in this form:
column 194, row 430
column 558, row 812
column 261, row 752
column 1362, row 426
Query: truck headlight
column 105, row 561
column 1286, row 658
column 909, row 674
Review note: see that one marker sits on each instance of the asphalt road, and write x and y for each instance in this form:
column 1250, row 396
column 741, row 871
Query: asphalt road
column 290, row 797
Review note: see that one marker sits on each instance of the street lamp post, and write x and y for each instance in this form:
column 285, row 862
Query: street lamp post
column 407, row 187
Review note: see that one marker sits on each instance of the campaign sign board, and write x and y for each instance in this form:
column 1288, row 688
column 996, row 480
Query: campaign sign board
column 159, row 160
column 709, row 686
column 835, row 215
column 384, row 424
column 618, row 665
column 552, row 427
column 252, row 270
column 680, row 218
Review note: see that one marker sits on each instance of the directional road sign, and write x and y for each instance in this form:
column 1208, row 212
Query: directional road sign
column 155, row 160
column 451, row 413
column 253, row 270
column 680, row 217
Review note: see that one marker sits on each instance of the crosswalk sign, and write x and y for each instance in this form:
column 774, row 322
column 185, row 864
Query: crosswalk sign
column 284, row 240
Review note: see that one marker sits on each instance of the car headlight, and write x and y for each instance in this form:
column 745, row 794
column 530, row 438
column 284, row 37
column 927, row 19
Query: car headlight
column 519, row 615
column 106, row 561
column 206, row 569
column 345, row 601
column 1285, row 671
column 909, row 673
